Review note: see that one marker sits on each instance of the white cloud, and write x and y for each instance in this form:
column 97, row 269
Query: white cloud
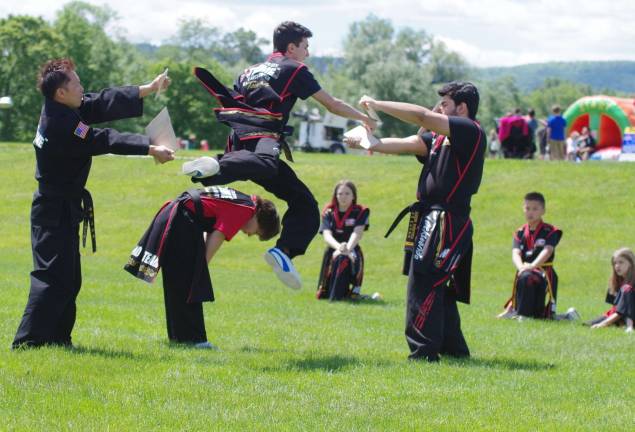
column 486, row 32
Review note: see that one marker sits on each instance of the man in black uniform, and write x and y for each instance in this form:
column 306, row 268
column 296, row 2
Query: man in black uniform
column 64, row 146
column 439, row 242
column 266, row 93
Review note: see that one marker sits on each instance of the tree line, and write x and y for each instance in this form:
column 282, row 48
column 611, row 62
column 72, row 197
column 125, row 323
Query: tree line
column 406, row 65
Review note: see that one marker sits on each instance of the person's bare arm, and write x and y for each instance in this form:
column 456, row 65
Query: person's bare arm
column 330, row 240
column 341, row 108
column 411, row 113
column 517, row 260
column 213, row 242
column 543, row 256
column 611, row 319
column 409, row 145
column 355, row 237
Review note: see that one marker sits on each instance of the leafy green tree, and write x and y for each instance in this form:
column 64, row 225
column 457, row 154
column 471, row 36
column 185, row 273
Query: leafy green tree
column 25, row 44
column 387, row 65
column 189, row 104
column 98, row 58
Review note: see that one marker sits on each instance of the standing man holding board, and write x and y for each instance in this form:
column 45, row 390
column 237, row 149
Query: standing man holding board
column 64, row 146
column 439, row 241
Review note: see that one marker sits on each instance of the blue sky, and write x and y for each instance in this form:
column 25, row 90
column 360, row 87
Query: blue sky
column 485, row 32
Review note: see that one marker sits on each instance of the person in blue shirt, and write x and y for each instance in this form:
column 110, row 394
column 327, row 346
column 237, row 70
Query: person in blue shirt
column 556, row 125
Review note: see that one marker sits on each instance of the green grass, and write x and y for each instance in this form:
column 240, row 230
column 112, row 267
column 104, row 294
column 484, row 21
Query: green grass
column 289, row 362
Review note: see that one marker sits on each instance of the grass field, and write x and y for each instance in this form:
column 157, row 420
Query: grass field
column 289, row 362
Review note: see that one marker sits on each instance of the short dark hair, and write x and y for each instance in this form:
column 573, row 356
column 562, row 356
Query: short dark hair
column 556, row 109
column 289, row 32
column 518, row 111
column 53, row 75
column 535, row 196
column 460, row 91
column 268, row 219
column 531, row 112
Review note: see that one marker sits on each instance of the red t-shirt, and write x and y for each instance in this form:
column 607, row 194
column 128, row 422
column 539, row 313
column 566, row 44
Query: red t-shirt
column 229, row 216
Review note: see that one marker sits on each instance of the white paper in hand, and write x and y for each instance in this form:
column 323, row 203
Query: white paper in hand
column 164, row 76
column 367, row 140
column 160, row 130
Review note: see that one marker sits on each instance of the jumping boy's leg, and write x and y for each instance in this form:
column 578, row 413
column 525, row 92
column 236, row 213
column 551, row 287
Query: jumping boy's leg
column 300, row 222
column 253, row 160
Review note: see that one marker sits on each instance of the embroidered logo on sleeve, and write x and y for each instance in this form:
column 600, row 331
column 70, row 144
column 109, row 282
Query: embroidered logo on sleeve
column 81, row 130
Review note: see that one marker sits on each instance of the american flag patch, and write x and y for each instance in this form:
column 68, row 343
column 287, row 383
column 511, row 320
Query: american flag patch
column 81, row 130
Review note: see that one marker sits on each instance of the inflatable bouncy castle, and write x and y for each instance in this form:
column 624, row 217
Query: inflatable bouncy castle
column 606, row 116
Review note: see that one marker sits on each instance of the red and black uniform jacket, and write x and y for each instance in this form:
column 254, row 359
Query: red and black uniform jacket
column 212, row 208
column 262, row 98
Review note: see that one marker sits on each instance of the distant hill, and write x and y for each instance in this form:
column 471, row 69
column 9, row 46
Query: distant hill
column 613, row 75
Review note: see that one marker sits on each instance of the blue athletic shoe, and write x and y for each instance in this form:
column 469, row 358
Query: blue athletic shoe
column 283, row 267
column 201, row 168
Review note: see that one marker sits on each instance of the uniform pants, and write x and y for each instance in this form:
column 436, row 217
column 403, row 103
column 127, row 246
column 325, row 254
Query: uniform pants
column 185, row 321
column 433, row 324
column 343, row 273
column 531, row 290
column 49, row 315
column 259, row 161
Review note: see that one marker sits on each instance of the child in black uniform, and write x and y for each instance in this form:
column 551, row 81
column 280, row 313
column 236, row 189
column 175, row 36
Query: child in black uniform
column 343, row 224
column 182, row 239
column 533, row 253
column 620, row 293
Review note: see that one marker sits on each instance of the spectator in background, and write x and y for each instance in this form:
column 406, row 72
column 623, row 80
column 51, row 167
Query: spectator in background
column 556, row 125
column 572, row 145
column 532, row 123
column 586, row 144
column 494, row 144
column 513, row 134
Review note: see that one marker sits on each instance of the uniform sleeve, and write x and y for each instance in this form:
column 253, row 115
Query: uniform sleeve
column 626, row 302
column 73, row 138
column 553, row 238
column 304, row 84
column 111, row 104
column 230, row 217
column 428, row 139
column 466, row 138
column 327, row 221
column 362, row 220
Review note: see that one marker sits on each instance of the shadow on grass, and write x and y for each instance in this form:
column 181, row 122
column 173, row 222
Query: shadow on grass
column 104, row 352
column 334, row 363
column 500, row 363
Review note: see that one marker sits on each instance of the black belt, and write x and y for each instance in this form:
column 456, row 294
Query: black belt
column 86, row 200
column 88, row 219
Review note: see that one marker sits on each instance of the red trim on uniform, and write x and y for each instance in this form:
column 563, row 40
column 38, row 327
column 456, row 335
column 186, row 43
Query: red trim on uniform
column 626, row 288
column 165, row 231
column 467, row 166
column 247, row 138
column 467, row 224
column 441, row 281
column 339, row 223
column 424, row 310
column 283, row 95
column 266, row 112
column 528, row 238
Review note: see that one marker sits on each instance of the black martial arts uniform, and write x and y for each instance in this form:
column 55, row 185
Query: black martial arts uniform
column 64, row 146
column 623, row 303
column 340, row 276
column 439, row 242
column 257, row 110
column 174, row 243
column 531, row 287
